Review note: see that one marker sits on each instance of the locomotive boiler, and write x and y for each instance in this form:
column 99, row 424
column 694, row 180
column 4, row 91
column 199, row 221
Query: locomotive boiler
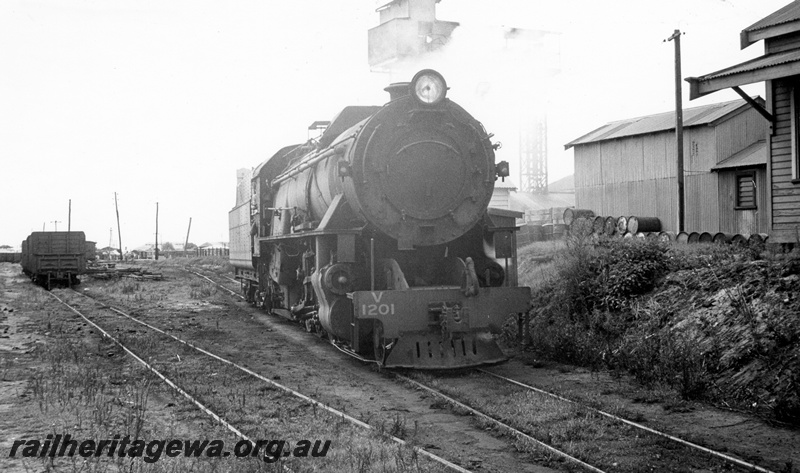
column 379, row 236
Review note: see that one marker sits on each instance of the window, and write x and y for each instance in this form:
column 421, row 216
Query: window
column 745, row 190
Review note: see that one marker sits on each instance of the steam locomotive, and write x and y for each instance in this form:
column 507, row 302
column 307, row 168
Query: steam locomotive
column 379, row 236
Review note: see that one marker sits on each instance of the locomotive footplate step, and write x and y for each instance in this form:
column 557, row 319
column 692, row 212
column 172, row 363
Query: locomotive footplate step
column 431, row 351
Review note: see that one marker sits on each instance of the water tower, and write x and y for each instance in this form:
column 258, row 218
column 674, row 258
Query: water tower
column 408, row 29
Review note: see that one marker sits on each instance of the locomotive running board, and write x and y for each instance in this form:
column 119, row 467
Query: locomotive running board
column 429, row 351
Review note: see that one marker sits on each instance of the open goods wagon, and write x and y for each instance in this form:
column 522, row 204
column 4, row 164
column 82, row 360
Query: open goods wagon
column 51, row 258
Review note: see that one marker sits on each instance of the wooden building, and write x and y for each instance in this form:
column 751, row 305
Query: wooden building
column 779, row 68
column 629, row 168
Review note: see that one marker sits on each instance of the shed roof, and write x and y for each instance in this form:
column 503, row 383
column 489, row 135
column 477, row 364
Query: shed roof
column 524, row 201
column 215, row 244
column 564, row 185
column 761, row 62
column 145, row 247
column 783, row 21
column 696, row 116
column 766, row 67
column 753, row 155
column 504, row 184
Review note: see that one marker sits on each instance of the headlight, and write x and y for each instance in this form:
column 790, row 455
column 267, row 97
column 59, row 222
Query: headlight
column 428, row 87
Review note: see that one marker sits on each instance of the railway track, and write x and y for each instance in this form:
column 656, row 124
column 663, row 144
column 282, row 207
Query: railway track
column 458, row 391
column 444, row 458
column 497, row 423
column 714, row 458
column 237, row 431
column 723, row 456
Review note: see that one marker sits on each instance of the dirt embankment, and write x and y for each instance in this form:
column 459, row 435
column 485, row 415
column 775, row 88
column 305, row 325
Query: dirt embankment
column 713, row 323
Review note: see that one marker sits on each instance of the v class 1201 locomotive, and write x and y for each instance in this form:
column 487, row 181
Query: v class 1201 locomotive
column 379, row 236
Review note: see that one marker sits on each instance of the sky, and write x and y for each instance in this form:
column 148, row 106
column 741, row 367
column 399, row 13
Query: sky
column 162, row 101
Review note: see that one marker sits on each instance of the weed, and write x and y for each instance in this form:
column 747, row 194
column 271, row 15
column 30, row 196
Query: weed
column 707, row 320
column 129, row 287
column 200, row 290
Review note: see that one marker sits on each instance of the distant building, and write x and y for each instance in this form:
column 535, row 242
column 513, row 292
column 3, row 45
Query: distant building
column 564, row 186
column 779, row 67
column 501, row 196
column 538, row 208
column 214, row 249
column 10, row 254
column 629, row 168
column 165, row 250
column 109, row 253
column 147, row 251
column 408, row 29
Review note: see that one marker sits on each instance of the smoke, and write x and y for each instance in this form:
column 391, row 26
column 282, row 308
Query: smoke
column 503, row 76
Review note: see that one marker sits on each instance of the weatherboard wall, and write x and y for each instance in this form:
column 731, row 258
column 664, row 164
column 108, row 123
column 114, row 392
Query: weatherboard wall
column 785, row 193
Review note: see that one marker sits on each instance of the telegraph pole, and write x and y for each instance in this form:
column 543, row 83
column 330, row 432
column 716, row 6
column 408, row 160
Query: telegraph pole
column 55, row 222
column 185, row 250
column 156, row 231
column 676, row 37
column 119, row 231
column 69, row 216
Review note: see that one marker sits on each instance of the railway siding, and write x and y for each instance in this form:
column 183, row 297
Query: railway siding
column 579, row 431
column 284, row 352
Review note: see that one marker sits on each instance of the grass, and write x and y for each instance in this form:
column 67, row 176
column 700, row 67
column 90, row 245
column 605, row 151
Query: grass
column 709, row 321
column 201, row 289
column 572, row 428
column 86, row 387
column 219, row 264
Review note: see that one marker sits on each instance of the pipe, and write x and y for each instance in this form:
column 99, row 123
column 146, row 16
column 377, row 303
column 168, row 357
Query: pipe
column 372, row 264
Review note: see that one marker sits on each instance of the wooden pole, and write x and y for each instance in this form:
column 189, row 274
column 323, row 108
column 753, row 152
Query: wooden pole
column 185, row 249
column 119, row 231
column 69, row 217
column 676, row 37
column 156, row 231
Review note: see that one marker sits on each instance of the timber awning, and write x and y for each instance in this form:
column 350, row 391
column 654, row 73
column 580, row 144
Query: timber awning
column 753, row 155
column 767, row 67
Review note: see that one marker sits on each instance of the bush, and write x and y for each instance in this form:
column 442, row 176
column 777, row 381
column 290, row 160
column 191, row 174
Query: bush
column 711, row 321
column 580, row 313
column 608, row 276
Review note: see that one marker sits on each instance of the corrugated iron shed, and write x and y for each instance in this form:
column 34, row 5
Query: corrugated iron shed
column 695, row 116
